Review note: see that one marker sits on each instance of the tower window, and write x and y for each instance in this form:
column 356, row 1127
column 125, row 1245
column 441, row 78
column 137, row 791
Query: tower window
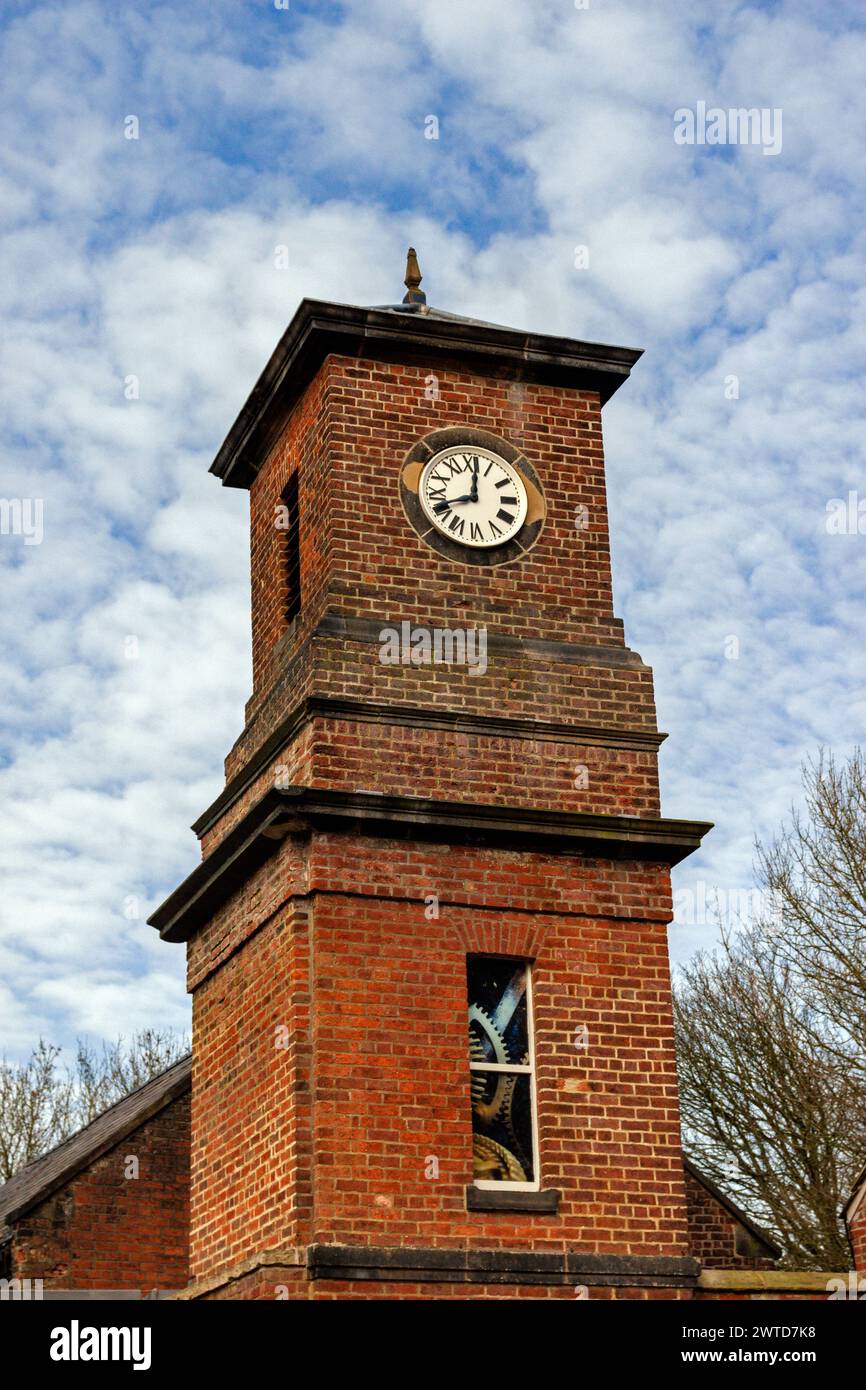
column 292, row 548
column 502, row 1073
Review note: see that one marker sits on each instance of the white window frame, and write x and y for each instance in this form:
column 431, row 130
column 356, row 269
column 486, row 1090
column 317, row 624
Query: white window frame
column 523, row 1069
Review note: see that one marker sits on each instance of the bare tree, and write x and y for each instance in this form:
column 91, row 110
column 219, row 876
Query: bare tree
column 770, row 1028
column 816, row 872
column 35, row 1108
column 42, row 1103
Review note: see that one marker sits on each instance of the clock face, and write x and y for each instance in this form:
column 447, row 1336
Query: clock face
column 473, row 496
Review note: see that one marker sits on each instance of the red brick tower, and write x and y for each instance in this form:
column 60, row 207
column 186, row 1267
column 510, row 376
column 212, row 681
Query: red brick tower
column 426, row 944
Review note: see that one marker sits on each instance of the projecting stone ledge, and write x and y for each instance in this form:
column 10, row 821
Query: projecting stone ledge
column 301, row 810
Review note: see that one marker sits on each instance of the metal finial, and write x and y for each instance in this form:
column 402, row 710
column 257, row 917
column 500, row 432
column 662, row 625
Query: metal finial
column 413, row 279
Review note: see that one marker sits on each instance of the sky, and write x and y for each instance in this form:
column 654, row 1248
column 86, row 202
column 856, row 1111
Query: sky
column 154, row 158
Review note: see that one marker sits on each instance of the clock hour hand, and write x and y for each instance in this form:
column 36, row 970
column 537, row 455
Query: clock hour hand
column 453, row 501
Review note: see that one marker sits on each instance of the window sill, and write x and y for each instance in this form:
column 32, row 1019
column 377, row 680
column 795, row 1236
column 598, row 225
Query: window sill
column 486, row 1199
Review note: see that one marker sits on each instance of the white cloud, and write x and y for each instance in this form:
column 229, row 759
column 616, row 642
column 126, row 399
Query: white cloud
column 155, row 258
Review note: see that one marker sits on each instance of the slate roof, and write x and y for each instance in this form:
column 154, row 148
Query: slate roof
column 428, row 312
column 40, row 1178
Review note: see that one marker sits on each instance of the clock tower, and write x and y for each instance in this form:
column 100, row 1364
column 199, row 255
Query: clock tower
column 432, row 1037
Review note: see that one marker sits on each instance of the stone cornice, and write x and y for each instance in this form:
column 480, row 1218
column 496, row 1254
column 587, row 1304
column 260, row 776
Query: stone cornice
column 290, row 1257
column 319, row 328
column 474, row 1266
column 354, row 629
column 769, row 1282
column 414, row 1264
column 409, row 716
column 302, row 810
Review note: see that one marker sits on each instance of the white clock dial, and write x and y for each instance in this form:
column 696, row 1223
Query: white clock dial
column 473, row 496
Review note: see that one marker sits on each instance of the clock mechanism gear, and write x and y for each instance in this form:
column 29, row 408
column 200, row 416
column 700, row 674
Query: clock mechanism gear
column 486, row 1109
column 496, row 1106
column 492, row 1161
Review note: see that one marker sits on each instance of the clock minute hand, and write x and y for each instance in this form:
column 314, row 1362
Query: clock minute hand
column 474, row 494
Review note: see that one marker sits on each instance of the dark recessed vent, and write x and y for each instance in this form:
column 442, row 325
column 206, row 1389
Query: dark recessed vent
column 292, row 549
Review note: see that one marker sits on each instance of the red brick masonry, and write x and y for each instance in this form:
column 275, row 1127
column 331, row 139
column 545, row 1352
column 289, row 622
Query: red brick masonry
column 100, row 1227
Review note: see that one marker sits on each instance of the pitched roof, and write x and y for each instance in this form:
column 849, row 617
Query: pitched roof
column 40, row 1178
column 731, row 1207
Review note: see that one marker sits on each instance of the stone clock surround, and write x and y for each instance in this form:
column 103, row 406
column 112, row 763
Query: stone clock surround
column 467, row 437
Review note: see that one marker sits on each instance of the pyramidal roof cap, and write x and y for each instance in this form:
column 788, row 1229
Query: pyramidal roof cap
column 411, row 331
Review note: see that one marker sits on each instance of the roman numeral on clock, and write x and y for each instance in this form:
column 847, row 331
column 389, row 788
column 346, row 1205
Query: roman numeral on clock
column 472, row 497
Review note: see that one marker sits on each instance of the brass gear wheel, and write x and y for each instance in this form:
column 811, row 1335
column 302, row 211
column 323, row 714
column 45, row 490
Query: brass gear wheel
column 492, row 1161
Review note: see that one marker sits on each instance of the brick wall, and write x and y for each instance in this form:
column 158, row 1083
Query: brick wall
column 325, row 1137
column 717, row 1239
column 103, row 1230
column 278, row 1283
column 348, row 436
column 857, row 1232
